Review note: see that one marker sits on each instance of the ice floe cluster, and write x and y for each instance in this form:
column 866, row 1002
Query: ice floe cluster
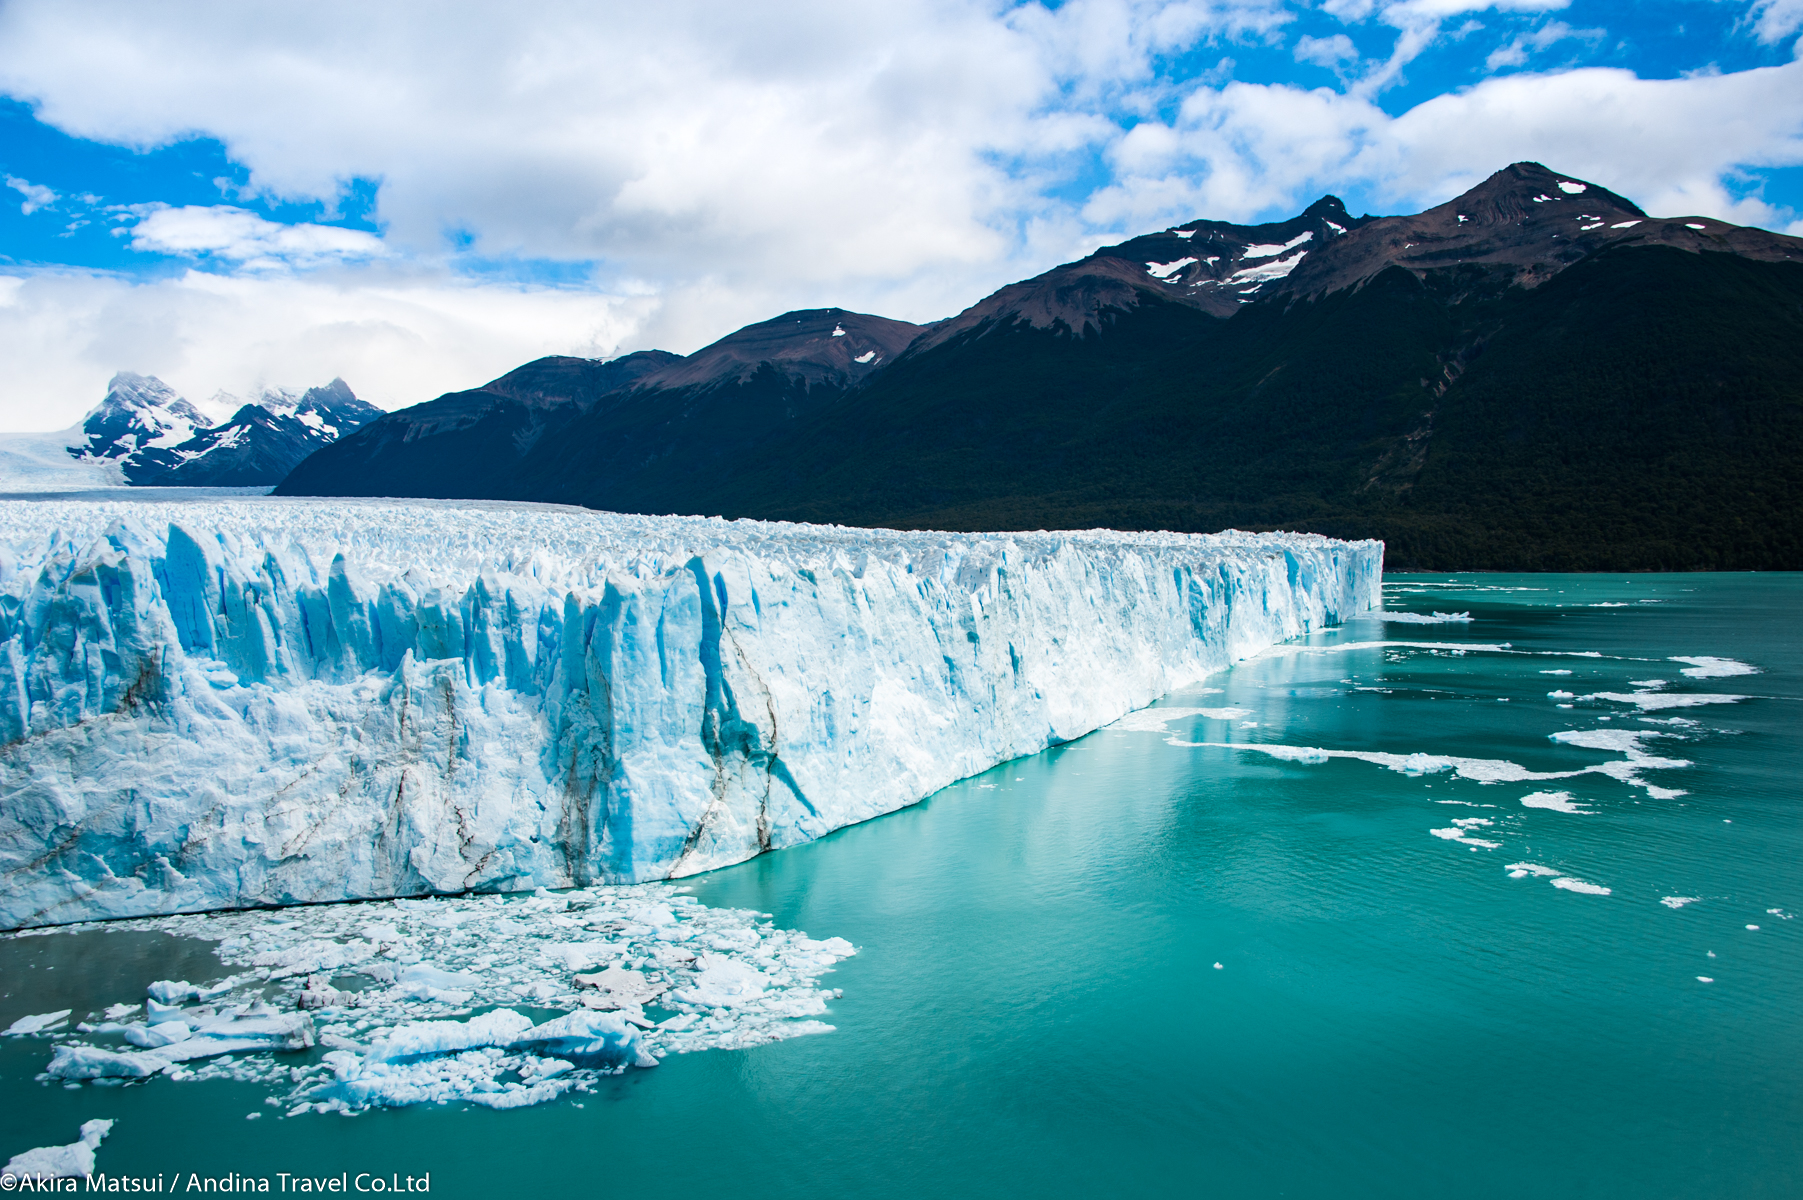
column 235, row 703
column 1636, row 747
column 503, row 1001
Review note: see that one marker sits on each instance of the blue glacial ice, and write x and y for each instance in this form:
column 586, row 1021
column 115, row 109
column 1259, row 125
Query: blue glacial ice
column 231, row 703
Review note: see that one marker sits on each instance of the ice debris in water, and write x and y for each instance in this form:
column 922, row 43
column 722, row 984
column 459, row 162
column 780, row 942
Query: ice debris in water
column 74, row 1161
column 37, row 1023
column 503, row 1001
column 1438, row 618
column 1678, row 901
column 1560, row 879
column 1704, row 666
column 1563, row 802
column 1461, row 832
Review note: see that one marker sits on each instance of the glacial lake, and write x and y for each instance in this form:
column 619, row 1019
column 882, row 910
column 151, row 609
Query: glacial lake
column 1157, row 962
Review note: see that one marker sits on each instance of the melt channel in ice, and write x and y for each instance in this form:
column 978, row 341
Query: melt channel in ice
column 223, row 704
column 503, row 1001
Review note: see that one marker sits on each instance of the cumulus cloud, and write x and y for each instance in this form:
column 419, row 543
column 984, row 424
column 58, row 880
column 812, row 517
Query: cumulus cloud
column 241, row 237
column 823, row 140
column 396, row 339
column 711, row 165
column 1668, row 143
column 1329, row 52
column 1775, row 20
column 36, row 194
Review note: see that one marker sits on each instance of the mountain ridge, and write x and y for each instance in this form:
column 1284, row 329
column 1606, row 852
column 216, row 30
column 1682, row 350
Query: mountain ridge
column 1317, row 373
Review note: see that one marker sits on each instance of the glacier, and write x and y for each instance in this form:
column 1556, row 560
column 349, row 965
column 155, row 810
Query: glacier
column 233, row 703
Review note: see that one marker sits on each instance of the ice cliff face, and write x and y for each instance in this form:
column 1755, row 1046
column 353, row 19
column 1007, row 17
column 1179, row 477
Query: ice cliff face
column 219, row 704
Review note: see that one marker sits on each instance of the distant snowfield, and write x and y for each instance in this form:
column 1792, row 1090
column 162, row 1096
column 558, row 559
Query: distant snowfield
column 223, row 703
column 40, row 462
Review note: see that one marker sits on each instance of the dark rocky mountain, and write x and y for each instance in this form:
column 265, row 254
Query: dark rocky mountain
column 137, row 425
column 637, row 430
column 157, row 438
column 262, row 442
column 1536, row 375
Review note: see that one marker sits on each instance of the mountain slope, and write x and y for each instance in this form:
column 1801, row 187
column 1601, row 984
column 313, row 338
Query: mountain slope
column 1535, row 375
column 633, row 433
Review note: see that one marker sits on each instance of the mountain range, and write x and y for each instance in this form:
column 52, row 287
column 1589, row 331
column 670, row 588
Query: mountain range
column 1535, row 375
column 143, row 433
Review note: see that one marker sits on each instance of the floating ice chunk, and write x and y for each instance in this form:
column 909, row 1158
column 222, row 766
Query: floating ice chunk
column 1678, row 901
column 1166, row 270
column 1559, row 695
column 1780, row 914
column 723, row 983
column 1556, row 671
column 1653, row 701
column 428, row 976
column 1707, row 667
column 1754, row 928
column 588, row 1038
column 422, row 1038
column 37, row 1023
column 1571, row 187
column 116, row 1012
column 1648, row 683
column 1522, row 870
column 173, row 991
column 1438, row 618
column 152, row 1037
column 1456, row 834
column 1704, row 979
column 1621, row 740
column 310, row 958
column 74, row 1161
column 1556, row 801
column 93, row 1062
column 1571, row 884
column 618, row 987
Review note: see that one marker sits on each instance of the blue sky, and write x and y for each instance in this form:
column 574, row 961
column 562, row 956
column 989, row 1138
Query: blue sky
column 418, row 197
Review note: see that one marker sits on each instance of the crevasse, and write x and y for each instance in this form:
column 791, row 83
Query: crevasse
column 230, row 703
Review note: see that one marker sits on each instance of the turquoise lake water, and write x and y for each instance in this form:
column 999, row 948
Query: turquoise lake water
column 1036, row 1007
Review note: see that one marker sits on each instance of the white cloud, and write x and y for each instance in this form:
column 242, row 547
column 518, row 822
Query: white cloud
column 1667, row 143
column 1329, row 52
column 1515, row 52
column 721, row 163
column 222, row 231
column 819, row 139
column 36, row 194
column 1775, row 20
column 396, row 339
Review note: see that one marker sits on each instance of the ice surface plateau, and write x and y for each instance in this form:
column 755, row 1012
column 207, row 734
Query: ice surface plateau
column 229, row 703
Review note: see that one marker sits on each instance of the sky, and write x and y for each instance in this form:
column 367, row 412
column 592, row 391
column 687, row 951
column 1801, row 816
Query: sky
column 418, row 197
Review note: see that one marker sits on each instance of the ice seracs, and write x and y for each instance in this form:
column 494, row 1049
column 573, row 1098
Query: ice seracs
column 275, row 702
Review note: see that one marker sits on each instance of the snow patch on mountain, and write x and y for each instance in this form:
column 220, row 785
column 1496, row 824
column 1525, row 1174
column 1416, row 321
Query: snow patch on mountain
column 221, row 704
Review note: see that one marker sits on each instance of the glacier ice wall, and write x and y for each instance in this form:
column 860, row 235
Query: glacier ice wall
column 218, row 704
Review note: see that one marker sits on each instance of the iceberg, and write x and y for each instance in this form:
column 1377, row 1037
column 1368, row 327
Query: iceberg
column 74, row 1161
column 235, row 703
